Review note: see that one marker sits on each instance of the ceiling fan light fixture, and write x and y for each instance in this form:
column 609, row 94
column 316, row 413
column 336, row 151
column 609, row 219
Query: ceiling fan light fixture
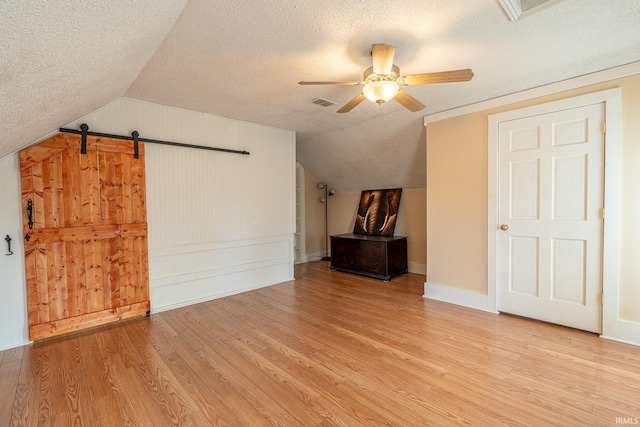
column 380, row 91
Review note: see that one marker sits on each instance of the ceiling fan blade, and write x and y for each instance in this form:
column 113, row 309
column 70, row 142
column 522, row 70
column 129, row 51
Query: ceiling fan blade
column 351, row 104
column 382, row 56
column 408, row 101
column 329, row 83
column 441, row 77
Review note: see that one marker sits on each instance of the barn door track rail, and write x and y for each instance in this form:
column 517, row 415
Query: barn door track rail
column 135, row 137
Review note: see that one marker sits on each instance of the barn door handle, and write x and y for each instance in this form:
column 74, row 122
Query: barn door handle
column 30, row 213
column 8, row 239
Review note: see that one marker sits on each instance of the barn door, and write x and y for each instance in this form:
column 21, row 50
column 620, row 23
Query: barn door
column 84, row 219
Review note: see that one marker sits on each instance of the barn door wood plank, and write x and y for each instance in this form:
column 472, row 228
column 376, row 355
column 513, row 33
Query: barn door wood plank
column 42, row 282
column 72, row 324
column 53, row 193
column 76, row 277
column 57, row 187
column 62, row 280
column 108, row 184
column 72, row 192
column 57, row 281
column 126, row 209
column 110, row 145
column 47, row 197
column 95, row 278
column 130, row 289
column 138, row 185
column 112, row 256
column 61, row 141
column 90, row 188
column 117, row 216
column 71, row 234
column 34, row 155
column 33, row 296
column 141, row 269
column 52, row 289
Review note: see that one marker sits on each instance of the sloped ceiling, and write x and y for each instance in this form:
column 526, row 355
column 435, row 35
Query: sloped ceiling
column 243, row 59
column 60, row 60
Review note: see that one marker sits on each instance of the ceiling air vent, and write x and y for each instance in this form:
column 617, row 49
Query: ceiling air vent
column 323, row 102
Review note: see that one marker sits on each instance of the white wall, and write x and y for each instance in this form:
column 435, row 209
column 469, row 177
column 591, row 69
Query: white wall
column 13, row 306
column 219, row 223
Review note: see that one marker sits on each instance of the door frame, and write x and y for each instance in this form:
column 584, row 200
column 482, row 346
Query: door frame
column 612, row 99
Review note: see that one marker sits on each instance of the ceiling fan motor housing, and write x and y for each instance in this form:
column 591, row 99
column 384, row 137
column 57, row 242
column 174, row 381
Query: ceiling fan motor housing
column 371, row 76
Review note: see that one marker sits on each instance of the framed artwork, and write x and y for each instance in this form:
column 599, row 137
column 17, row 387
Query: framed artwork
column 377, row 212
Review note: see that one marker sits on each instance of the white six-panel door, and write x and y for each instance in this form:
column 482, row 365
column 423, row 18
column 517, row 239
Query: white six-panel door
column 550, row 200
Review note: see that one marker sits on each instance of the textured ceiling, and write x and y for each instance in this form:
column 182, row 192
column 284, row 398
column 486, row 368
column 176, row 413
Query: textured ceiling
column 62, row 59
column 243, row 59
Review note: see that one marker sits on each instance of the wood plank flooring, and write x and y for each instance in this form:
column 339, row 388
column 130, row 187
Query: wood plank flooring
column 328, row 349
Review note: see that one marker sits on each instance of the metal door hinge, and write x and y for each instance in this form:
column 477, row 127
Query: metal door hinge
column 602, row 213
column 604, row 127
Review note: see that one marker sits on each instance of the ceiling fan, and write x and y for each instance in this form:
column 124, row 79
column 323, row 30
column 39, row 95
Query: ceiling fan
column 382, row 81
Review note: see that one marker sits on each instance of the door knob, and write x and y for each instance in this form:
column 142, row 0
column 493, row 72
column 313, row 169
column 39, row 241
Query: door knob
column 504, row 227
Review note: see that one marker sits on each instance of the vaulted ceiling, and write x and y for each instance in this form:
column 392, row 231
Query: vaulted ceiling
column 242, row 59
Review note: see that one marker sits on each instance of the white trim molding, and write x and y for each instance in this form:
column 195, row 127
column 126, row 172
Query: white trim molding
column 626, row 331
column 550, row 89
column 457, row 296
column 417, row 268
column 512, row 8
column 515, row 11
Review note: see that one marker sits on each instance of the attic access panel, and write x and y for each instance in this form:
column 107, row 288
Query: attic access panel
column 516, row 9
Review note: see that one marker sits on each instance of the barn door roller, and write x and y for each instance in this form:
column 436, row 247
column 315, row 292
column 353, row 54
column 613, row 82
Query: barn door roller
column 135, row 137
column 84, row 129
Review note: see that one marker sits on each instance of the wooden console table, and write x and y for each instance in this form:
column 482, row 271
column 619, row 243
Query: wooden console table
column 381, row 257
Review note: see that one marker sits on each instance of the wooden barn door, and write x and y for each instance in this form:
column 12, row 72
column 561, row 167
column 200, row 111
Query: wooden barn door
column 86, row 249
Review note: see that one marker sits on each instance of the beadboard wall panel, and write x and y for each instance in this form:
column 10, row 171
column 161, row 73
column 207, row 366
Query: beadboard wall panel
column 13, row 300
column 229, row 281
column 209, row 257
column 219, row 223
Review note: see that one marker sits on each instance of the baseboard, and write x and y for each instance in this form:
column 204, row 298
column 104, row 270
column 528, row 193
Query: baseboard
column 317, row 256
column 413, row 267
column 211, row 297
column 628, row 332
column 457, row 296
column 417, row 268
column 15, row 345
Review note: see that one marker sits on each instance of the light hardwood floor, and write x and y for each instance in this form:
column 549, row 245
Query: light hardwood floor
column 326, row 349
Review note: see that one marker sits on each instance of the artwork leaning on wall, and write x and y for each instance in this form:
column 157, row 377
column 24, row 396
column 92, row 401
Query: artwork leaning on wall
column 377, row 212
